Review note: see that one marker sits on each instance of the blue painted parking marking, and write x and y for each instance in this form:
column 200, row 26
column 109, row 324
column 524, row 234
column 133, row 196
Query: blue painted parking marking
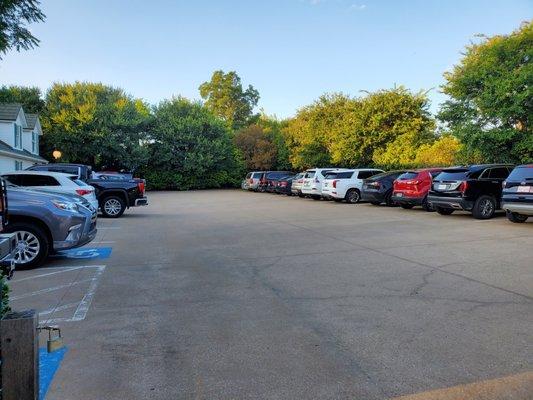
column 85, row 253
column 48, row 365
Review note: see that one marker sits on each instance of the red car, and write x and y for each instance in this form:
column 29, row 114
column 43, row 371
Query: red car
column 412, row 188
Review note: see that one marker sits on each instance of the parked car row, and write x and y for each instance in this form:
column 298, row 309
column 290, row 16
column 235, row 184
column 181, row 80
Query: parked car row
column 54, row 207
column 480, row 189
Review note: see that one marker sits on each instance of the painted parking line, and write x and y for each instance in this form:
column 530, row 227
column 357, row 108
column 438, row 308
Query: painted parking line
column 49, row 289
column 48, row 365
column 64, row 269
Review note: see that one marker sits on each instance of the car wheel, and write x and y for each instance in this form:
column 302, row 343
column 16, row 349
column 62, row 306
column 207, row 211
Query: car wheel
column 32, row 247
column 113, row 207
column 300, row 194
column 388, row 199
column 353, row 196
column 316, row 197
column 484, row 207
column 406, row 206
column 444, row 211
column 516, row 218
column 426, row 206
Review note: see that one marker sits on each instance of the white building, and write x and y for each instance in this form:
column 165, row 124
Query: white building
column 19, row 138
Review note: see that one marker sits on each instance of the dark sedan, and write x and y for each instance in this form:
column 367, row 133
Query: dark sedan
column 378, row 189
column 284, row 185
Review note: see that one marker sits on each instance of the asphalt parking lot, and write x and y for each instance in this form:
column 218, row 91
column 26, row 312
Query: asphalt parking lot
column 235, row 295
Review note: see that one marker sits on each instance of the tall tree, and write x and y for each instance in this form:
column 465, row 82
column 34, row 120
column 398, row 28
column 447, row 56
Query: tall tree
column 491, row 98
column 29, row 97
column 257, row 147
column 226, row 98
column 95, row 124
column 14, row 16
column 189, row 148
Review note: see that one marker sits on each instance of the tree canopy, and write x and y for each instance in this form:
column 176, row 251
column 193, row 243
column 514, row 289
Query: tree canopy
column 30, row 97
column 225, row 97
column 491, row 91
column 14, row 16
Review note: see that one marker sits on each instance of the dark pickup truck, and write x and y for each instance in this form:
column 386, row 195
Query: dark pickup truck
column 115, row 192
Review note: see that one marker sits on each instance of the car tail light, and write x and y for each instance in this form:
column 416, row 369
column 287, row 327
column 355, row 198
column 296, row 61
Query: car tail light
column 374, row 184
column 140, row 186
column 335, row 183
column 83, row 192
column 283, row 184
column 463, row 187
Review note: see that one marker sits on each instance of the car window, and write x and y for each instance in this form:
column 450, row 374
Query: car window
column 367, row 174
column 248, row 175
column 310, row 174
column 521, row 173
column 14, row 179
column 499, row 173
column 66, row 170
column 408, row 175
column 257, row 175
column 39, row 180
column 434, row 173
column 331, row 175
column 323, row 173
column 453, row 175
column 344, row 175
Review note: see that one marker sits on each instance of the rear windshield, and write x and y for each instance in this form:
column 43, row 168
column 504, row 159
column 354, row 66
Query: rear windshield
column 521, row 173
column 257, row 175
column 385, row 175
column 453, row 175
column 407, row 176
column 367, row 174
column 310, row 174
column 77, row 181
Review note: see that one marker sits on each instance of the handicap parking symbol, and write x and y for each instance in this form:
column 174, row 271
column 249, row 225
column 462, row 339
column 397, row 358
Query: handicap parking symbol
column 86, row 253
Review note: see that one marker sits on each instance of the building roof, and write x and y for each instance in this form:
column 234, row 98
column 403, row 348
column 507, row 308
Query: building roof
column 17, row 152
column 9, row 111
column 31, row 120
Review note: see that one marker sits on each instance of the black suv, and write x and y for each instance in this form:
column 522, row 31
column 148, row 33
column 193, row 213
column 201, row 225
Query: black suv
column 475, row 188
column 517, row 196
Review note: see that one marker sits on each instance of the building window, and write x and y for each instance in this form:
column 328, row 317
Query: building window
column 34, row 143
column 18, row 136
column 18, row 165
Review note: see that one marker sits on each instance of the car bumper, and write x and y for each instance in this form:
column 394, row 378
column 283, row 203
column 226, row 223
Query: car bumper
column 416, row 201
column 454, row 203
column 519, row 208
column 79, row 234
column 312, row 191
column 143, row 201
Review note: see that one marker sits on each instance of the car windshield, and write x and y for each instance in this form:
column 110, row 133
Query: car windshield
column 453, row 175
column 521, row 173
column 408, row 175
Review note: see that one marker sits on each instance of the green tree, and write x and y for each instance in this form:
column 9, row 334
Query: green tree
column 14, row 16
column 491, row 98
column 190, row 148
column 258, row 149
column 225, row 97
column 443, row 152
column 95, row 124
column 29, row 97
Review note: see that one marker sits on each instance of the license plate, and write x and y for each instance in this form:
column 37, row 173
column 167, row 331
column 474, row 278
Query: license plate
column 441, row 187
column 524, row 189
column 399, row 194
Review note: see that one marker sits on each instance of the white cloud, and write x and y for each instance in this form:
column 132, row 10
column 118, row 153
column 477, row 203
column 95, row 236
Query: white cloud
column 357, row 7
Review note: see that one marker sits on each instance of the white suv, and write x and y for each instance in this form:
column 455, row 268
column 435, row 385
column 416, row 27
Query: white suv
column 313, row 178
column 346, row 185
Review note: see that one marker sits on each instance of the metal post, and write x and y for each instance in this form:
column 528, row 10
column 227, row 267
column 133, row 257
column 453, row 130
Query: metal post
column 20, row 355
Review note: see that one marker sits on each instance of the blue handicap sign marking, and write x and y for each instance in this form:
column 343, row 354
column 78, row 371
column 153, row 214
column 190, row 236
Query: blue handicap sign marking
column 48, row 365
column 86, row 253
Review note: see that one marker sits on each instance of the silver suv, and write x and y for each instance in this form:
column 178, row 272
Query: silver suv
column 45, row 223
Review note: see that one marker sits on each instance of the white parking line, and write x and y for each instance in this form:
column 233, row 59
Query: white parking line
column 47, row 290
column 63, row 307
column 85, row 303
column 65, row 269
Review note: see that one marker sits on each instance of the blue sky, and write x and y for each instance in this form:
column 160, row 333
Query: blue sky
column 292, row 51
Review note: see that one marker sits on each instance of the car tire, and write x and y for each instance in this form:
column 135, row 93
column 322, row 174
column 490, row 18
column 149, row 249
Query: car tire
column 444, row 211
column 112, row 207
column 426, row 206
column 353, row 196
column 484, row 207
column 36, row 242
column 316, row 197
column 388, row 200
column 406, row 206
column 301, row 195
column 516, row 218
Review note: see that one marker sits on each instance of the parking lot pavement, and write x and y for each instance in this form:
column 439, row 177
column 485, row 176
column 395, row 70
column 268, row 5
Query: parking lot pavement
column 231, row 295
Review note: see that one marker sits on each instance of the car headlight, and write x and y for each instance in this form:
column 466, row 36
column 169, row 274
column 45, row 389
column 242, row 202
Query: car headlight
column 65, row 205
